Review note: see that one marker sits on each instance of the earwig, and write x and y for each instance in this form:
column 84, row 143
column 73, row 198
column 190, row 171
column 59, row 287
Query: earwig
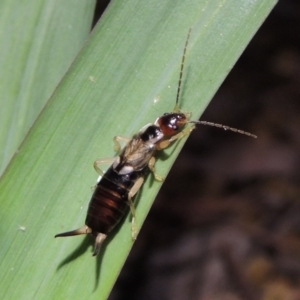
column 115, row 192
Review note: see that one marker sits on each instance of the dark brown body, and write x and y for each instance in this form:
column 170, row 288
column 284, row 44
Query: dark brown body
column 110, row 200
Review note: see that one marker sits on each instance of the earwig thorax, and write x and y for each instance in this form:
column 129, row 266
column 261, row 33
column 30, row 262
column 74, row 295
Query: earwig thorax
column 150, row 133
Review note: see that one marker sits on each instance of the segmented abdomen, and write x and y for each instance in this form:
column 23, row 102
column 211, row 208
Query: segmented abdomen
column 110, row 201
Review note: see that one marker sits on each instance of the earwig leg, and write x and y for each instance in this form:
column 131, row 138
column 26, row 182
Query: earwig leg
column 183, row 133
column 131, row 194
column 103, row 161
column 152, row 169
column 82, row 230
column 98, row 242
column 106, row 161
column 117, row 139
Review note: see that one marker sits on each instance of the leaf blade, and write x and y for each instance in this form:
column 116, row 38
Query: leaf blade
column 140, row 66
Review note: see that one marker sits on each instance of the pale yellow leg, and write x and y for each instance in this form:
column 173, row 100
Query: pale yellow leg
column 152, row 169
column 183, row 133
column 103, row 161
column 131, row 194
column 117, row 139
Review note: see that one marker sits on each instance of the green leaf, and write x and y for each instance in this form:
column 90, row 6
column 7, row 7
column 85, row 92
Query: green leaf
column 124, row 78
column 39, row 41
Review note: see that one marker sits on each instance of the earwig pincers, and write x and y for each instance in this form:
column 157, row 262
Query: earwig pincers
column 115, row 192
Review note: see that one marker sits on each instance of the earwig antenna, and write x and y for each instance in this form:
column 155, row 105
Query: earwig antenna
column 176, row 109
column 224, row 127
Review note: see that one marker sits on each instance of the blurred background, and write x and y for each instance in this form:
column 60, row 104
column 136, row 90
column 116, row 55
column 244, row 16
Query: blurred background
column 226, row 223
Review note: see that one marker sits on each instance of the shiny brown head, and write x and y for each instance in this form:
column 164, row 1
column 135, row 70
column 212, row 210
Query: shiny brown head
column 171, row 123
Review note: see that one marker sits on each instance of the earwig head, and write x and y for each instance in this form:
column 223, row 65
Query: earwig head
column 171, row 123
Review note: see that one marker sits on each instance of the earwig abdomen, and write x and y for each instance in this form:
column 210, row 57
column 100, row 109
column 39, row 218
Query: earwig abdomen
column 110, row 200
column 108, row 204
